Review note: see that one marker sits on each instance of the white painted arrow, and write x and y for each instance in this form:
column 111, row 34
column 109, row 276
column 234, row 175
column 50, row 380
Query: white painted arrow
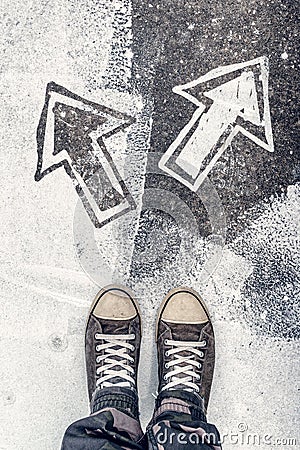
column 210, row 131
column 71, row 134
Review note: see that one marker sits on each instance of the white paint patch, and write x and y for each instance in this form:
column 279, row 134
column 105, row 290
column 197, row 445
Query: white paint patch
column 230, row 100
column 45, row 295
column 115, row 241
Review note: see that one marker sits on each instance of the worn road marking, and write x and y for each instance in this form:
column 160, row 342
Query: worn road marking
column 79, row 128
column 233, row 99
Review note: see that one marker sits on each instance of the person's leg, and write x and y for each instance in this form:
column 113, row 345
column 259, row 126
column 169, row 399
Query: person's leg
column 113, row 337
column 186, row 356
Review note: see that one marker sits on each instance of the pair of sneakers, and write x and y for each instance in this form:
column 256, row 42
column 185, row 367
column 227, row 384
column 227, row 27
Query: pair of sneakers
column 185, row 347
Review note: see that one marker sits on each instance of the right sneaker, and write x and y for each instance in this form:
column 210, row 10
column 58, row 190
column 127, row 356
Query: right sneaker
column 112, row 348
column 186, row 346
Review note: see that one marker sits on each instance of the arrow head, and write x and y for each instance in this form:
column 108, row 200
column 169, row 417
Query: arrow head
column 230, row 100
column 71, row 134
column 72, row 127
column 80, row 116
column 242, row 87
column 240, row 95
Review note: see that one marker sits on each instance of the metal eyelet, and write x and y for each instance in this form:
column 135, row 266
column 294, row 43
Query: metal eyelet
column 166, row 342
column 166, row 365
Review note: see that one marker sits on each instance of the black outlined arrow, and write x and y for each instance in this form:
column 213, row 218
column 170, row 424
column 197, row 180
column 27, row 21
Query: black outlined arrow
column 72, row 133
column 232, row 99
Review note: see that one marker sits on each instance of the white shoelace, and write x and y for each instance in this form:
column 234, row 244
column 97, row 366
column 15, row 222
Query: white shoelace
column 115, row 355
column 183, row 365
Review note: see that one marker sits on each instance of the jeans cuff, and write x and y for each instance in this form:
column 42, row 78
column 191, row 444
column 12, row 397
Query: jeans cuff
column 122, row 399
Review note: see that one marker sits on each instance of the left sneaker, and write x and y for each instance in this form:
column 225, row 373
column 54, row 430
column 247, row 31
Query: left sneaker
column 112, row 347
